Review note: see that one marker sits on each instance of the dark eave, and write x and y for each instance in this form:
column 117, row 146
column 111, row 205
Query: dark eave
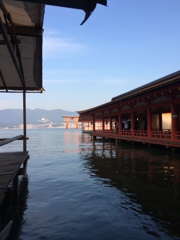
column 87, row 6
column 149, row 88
column 154, row 85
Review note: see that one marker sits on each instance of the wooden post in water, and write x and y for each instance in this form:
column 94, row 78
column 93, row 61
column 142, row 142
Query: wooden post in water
column 24, row 119
column 25, row 133
column 15, row 190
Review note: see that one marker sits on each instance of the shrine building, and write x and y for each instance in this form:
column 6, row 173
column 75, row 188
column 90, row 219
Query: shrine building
column 149, row 114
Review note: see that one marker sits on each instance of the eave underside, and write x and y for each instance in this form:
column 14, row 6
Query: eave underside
column 21, row 32
column 21, row 35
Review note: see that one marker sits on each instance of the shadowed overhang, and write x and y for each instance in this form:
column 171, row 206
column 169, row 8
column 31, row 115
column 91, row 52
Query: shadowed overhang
column 87, row 6
column 21, row 35
column 21, row 29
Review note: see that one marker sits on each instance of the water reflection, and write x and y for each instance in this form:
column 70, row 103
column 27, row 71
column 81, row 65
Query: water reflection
column 17, row 213
column 71, row 136
column 149, row 178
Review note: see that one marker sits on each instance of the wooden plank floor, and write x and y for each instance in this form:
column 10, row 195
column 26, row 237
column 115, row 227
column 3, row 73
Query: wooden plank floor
column 10, row 163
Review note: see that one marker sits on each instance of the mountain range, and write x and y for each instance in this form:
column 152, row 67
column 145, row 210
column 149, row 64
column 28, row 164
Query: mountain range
column 10, row 117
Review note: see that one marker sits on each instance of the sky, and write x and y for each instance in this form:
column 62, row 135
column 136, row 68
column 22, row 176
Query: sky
column 121, row 47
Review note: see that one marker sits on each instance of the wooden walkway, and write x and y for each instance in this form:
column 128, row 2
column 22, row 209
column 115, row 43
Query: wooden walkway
column 10, row 168
column 12, row 164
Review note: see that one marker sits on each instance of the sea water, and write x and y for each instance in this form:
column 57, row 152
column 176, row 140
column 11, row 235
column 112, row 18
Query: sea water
column 78, row 188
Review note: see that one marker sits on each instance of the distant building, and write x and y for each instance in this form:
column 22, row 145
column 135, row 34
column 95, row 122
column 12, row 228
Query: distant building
column 28, row 126
column 71, row 121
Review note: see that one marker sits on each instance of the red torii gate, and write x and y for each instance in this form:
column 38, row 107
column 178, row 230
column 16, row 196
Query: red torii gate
column 68, row 119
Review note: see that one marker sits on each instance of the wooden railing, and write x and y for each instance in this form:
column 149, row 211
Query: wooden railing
column 155, row 134
column 4, row 141
column 178, row 135
column 165, row 134
column 165, row 137
column 140, row 133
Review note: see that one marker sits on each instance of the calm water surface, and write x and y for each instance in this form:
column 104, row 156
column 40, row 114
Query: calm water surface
column 81, row 189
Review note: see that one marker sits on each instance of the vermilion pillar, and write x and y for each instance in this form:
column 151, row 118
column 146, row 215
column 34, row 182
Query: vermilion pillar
column 94, row 122
column 110, row 124
column 149, row 122
column 83, row 126
column 160, row 119
column 174, row 115
column 103, row 123
column 120, row 123
column 132, row 123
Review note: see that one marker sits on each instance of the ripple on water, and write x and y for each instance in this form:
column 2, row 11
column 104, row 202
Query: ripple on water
column 80, row 189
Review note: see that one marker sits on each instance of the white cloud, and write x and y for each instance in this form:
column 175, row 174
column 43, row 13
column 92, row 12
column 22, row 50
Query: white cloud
column 10, row 103
column 55, row 81
column 53, row 43
column 58, row 72
column 113, row 81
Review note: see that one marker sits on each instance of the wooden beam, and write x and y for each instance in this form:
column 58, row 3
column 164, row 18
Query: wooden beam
column 86, row 5
column 12, row 53
column 24, row 31
column 12, row 44
column 78, row 4
column 9, row 140
column 3, row 81
column 17, row 41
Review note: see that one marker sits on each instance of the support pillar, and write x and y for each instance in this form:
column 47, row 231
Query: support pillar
column 25, row 135
column 24, row 120
column 132, row 123
column 83, row 126
column 120, row 123
column 174, row 115
column 160, row 120
column 94, row 123
column 110, row 124
column 103, row 124
column 25, row 167
column 149, row 122
column 15, row 190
